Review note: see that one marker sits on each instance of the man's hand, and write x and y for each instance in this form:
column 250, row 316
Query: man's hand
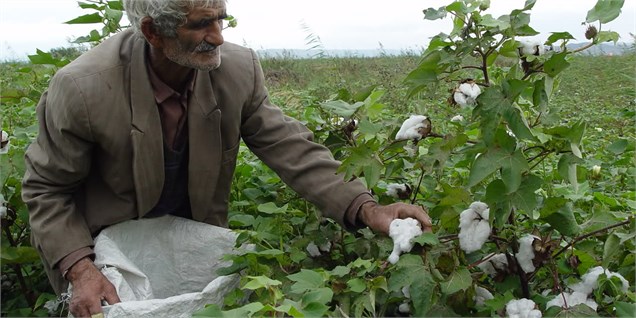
column 90, row 287
column 379, row 217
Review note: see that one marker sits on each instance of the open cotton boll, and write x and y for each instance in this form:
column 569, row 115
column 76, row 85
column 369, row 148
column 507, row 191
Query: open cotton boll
column 589, row 281
column 522, row 308
column 526, row 253
column 325, row 247
column 470, row 89
column 411, row 128
column 394, row 189
column 572, row 299
column 4, row 143
column 404, row 308
column 457, row 118
column 313, row 250
column 406, row 291
column 531, row 48
column 481, row 295
column 402, row 231
column 474, row 228
column 499, row 262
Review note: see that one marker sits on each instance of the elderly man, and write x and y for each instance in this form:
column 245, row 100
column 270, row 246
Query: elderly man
column 148, row 123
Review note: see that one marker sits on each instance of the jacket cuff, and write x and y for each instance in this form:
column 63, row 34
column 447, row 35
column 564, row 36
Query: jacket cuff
column 351, row 217
column 69, row 260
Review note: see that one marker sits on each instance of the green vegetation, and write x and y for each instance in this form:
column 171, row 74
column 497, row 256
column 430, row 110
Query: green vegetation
column 565, row 172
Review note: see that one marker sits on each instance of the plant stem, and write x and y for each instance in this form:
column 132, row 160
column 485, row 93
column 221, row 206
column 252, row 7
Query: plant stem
column 523, row 279
column 417, row 189
column 584, row 236
column 28, row 294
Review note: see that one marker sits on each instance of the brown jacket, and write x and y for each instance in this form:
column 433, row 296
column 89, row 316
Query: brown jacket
column 98, row 158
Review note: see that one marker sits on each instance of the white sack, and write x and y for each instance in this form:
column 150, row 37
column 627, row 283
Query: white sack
column 165, row 266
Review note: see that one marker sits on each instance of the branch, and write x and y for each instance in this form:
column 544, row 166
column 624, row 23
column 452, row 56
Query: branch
column 417, row 190
column 584, row 236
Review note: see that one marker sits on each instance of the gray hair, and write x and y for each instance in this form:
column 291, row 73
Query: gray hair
column 167, row 15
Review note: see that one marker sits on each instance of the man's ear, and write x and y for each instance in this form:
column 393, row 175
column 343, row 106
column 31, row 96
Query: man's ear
column 150, row 33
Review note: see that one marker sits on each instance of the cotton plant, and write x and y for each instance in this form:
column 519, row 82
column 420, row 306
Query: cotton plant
column 525, row 256
column 474, row 227
column 466, row 93
column 522, row 308
column 402, row 231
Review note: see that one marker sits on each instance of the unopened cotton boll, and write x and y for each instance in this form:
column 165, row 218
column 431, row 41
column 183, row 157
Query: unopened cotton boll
column 474, row 227
column 481, row 295
column 522, row 308
column 402, row 231
column 573, row 299
column 313, row 250
column 526, row 253
column 413, row 127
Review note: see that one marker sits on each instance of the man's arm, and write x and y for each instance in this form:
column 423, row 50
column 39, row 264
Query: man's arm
column 57, row 164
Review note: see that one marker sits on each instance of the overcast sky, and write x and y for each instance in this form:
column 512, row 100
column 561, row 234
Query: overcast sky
column 277, row 24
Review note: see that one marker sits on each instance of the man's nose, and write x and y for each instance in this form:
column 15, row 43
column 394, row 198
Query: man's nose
column 215, row 33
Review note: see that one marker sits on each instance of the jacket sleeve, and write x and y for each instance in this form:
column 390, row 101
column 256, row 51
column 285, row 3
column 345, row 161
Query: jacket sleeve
column 57, row 163
column 287, row 146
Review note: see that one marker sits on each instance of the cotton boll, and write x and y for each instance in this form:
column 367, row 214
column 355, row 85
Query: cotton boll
column 460, row 99
column 497, row 263
column 325, row 247
column 522, row 308
column 413, row 127
column 402, row 231
column 404, row 308
column 474, row 227
column 572, row 299
column 457, row 118
column 3, row 212
column 526, row 253
column 313, row 250
column 394, row 189
column 4, row 143
column 589, row 281
column 481, row 295
column 531, row 48
column 470, row 89
column 406, row 291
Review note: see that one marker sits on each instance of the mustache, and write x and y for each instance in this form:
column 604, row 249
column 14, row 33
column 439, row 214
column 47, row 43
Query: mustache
column 205, row 47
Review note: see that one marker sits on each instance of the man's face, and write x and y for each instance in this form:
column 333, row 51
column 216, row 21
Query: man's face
column 197, row 42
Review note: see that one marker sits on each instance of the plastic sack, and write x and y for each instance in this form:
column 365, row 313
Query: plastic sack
column 165, row 266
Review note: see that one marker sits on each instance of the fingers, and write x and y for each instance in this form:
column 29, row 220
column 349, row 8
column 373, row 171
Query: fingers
column 81, row 307
column 110, row 295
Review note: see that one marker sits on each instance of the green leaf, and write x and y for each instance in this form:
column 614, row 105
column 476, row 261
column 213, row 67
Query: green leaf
column 87, row 18
column 116, row 5
column 611, row 250
column 618, row 147
column 556, row 64
column 509, row 48
column 271, row 208
column 458, row 280
column 485, row 165
column 624, row 309
column 18, row 255
column 558, row 212
column 580, row 310
column 43, row 58
column 512, row 171
column 501, row 23
column 427, row 238
column 340, row 271
column 306, row 280
column 357, row 285
column 540, row 95
column 210, row 310
column 321, row 295
column 605, row 11
column 556, row 36
column 517, row 123
column 257, row 282
column 607, row 36
column 433, row 14
column 372, row 171
column 314, row 310
column 422, row 292
column 341, row 108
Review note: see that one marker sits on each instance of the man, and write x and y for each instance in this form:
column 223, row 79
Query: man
column 148, row 123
